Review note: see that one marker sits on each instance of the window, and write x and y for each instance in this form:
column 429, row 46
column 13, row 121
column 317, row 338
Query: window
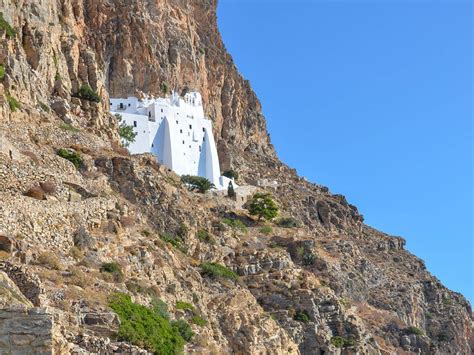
column 152, row 145
column 128, row 105
column 183, row 142
column 203, row 129
column 121, row 105
column 203, row 139
column 161, row 110
column 189, row 146
column 180, row 131
column 190, row 126
column 199, row 148
column 177, row 122
column 134, row 123
column 149, row 114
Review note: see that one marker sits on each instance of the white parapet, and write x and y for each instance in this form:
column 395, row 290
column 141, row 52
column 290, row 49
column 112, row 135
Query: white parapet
column 176, row 131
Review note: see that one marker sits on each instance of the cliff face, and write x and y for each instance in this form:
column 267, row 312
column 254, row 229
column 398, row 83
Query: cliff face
column 144, row 47
column 329, row 284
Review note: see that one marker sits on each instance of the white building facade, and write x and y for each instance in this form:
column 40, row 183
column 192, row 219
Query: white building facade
column 176, row 131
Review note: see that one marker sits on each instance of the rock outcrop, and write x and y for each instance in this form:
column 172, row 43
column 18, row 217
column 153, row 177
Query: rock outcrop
column 323, row 283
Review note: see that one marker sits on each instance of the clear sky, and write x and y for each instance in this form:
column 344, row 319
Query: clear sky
column 374, row 100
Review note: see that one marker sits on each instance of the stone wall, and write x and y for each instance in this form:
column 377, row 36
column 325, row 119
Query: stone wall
column 25, row 332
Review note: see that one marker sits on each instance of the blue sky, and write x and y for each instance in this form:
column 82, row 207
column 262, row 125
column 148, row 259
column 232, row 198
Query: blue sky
column 374, row 100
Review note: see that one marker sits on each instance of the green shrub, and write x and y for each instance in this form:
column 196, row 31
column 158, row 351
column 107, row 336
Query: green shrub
column 174, row 240
column 287, row 222
column 309, row 259
column 197, row 183
column 6, row 27
column 231, row 174
column 301, row 316
column 230, row 190
column 218, row 271
column 12, row 102
column 266, row 230
column 73, row 157
column 144, row 327
column 413, row 330
column 235, row 224
column 2, row 71
column 184, row 329
column 198, row 320
column 263, row 206
column 125, row 131
column 86, row 93
column 164, row 87
column 68, row 127
column 160, row 308
column 341, row 342
column 184, row 306
column 204, row 236
column 114, row 269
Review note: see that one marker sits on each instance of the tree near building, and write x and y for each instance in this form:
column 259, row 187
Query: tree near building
column 197, row 183
column 263, row 206
column 125, row 131
column 230, row 190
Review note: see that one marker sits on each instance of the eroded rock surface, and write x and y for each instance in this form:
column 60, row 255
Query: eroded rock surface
column 330, row 284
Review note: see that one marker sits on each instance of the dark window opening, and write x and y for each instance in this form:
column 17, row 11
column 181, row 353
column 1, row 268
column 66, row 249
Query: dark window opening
column 128, row 105
column 180, row 131
column 183, row 142
column 134, row 123
column 121, row 105
column 190, row 126
column 203, row 129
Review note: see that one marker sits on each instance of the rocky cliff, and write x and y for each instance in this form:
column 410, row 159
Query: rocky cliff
column 321, row 282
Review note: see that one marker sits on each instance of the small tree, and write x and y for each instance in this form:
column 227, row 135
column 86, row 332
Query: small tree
column 231, row 174
column 86, row 93
column 197, row 183
column 263, row 205
column 125, row 131
column 230, row 190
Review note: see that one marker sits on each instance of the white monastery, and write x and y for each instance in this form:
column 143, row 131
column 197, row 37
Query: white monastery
column 175, row 130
